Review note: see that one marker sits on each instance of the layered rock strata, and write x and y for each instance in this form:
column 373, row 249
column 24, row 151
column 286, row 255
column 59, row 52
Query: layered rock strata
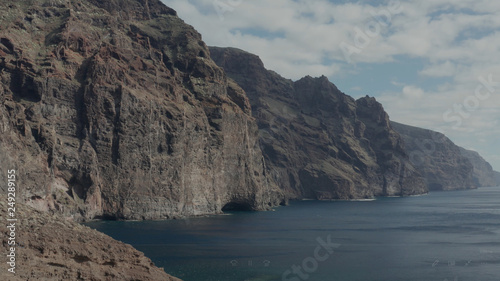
column 437, row 158
column 318, row 142
column 114, row 109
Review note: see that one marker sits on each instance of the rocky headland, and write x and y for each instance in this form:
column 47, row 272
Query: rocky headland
column 497, row 177
column 483, row 174
column 445, row 165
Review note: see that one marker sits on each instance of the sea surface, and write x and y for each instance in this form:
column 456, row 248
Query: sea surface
column 453, row 236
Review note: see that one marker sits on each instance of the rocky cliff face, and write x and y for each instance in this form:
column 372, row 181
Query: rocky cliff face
column 483, row 173
column 52, row 248
column 437, row 158
column 115, row 109
column 318, row 142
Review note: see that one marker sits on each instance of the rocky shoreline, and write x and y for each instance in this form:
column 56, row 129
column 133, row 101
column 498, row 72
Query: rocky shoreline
column 51, row 247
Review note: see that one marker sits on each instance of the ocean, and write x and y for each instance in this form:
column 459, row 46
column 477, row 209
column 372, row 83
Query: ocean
column 442, row 236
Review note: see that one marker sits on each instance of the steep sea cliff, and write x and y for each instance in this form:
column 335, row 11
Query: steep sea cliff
column 115, row 110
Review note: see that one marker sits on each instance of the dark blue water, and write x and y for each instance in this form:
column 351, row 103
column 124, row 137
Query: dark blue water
column 452, row 236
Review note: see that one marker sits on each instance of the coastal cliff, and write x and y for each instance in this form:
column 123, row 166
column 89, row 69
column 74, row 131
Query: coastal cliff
column 437, row 158
column 318, row 142
column 117, row 110
column 114, row 109
column 482, row 172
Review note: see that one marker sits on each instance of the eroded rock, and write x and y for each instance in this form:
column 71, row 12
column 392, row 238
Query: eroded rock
column 50, row 247
column 318, row 142
column 115, row 109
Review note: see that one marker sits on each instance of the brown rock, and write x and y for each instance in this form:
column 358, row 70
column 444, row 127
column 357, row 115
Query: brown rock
column 49, row 247
column 115, row 109
column 318, row 142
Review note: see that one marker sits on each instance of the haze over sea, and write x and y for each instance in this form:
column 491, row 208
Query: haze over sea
column 450, row 236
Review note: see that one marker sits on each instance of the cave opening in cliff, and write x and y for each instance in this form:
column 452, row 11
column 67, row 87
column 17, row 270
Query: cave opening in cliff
column 237, row 207
column 107, row 217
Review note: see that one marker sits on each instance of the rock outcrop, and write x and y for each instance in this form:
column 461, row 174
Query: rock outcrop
column 49, row 247
column 114, row 109
column 483, row 173
column 437, row 158
column 318, row 142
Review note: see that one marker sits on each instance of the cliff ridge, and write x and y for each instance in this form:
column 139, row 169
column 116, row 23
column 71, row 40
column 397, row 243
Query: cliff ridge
column 114, row 109
column 318, row 142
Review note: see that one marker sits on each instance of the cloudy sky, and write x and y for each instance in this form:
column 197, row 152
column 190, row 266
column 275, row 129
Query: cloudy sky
column 431, row 63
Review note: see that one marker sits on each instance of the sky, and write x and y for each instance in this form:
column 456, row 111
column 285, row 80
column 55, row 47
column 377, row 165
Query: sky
column 431, row 63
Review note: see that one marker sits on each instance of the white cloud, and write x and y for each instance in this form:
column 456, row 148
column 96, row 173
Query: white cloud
column 446, row 69
column 413, row 92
